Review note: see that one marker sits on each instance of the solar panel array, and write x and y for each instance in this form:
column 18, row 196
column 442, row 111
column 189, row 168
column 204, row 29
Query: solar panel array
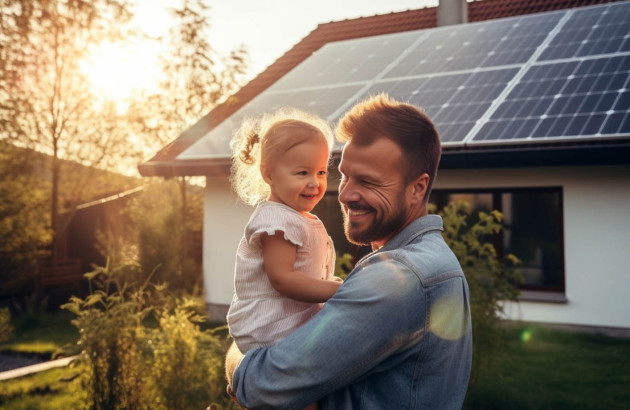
column 547, row 77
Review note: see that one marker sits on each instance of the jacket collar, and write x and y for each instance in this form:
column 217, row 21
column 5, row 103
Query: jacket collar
column 413, row 230
column 410, row 232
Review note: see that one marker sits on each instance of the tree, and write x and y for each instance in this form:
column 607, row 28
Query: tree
column 196, row 79
column 45, row 98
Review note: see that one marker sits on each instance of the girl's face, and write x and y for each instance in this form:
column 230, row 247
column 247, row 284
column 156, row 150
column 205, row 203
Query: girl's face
column 298, row 177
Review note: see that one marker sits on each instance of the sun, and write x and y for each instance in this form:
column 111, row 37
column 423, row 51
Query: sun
column 118, row 70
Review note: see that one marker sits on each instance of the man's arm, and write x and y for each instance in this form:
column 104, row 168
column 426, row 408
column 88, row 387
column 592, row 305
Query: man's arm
column 375, row 314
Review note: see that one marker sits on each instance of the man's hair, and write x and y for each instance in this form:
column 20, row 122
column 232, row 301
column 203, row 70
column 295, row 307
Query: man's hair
column 406, row 125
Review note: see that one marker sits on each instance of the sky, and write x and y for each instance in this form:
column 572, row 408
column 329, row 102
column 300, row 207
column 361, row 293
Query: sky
column 269, row 28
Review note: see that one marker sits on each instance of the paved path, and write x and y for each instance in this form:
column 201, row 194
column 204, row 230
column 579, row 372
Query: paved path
column 23, row 371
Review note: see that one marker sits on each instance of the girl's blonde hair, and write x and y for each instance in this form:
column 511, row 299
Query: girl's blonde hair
column 261, row 140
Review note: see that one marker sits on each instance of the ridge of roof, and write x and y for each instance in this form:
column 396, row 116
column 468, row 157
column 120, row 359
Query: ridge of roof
column 324, row 33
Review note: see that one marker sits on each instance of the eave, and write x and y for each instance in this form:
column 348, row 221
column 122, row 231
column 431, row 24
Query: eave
column 608, row 152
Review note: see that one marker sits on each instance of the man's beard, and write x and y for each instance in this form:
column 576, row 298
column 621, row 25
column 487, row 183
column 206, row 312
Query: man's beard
column 379, row 229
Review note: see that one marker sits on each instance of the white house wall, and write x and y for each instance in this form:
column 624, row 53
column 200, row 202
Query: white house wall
column 596, row 202
column 223, row 222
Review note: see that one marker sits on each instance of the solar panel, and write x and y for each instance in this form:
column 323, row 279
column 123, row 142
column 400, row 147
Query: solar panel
column 471, row 46
column 577, row 88
column 561, row 100
column 551, row 76
column 347, row 62
column 592, row 31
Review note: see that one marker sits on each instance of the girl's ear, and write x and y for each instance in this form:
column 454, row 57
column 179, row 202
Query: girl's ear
column 266, row 174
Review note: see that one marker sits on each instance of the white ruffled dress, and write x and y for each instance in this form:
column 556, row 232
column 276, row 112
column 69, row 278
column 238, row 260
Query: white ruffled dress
column 259, row 316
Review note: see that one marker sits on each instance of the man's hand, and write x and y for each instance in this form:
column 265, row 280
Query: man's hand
column 232, row 358
column 230, row 393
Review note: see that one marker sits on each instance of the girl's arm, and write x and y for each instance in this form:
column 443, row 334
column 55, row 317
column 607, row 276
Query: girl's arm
column 279, row 259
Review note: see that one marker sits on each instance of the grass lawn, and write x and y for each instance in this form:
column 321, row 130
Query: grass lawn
column 42, row 334
column 51, row 389
column 538, row 368
column 541, row 368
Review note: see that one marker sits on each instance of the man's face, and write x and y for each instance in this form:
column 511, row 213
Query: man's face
column 372, row 192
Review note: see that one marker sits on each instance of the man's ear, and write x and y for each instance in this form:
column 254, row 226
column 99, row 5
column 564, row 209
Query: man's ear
column 418, row 188
column 266, row 174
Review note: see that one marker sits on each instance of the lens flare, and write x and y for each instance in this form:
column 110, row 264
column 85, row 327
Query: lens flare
column 447, row 319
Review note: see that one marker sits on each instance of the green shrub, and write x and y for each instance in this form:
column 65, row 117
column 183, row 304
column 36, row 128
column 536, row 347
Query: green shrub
column 187, row 362
column 144, row 348
column 343, row 265
column 490, row 279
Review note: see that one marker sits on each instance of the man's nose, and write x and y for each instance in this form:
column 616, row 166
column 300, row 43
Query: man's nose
column 348, row 193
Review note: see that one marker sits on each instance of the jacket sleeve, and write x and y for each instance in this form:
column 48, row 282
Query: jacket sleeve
column 378, row 311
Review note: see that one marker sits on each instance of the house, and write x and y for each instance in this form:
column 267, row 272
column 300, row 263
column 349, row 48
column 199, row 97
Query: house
column 532, row 101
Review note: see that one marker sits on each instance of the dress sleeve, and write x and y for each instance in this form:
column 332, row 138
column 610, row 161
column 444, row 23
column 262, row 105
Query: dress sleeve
column 275, row 219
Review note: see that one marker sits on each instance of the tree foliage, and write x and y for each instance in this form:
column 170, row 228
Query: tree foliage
column 23, row 217
column 195, row 77
column 152, row 232
column 45, row 98
column 46, row 102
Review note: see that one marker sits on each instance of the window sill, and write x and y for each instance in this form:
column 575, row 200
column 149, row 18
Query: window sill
column 540, row 296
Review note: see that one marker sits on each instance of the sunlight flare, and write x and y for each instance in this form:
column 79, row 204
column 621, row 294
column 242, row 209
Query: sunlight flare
column 117, row 70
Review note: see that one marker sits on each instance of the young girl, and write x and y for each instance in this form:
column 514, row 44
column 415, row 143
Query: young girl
column 285, row 259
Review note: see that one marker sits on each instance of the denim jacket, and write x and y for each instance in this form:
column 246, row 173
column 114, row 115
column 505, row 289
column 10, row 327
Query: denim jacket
column 396, row 335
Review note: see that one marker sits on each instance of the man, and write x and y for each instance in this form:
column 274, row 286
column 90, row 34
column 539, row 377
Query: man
column 397, row 334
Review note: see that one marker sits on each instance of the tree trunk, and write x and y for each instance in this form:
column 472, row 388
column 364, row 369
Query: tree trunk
column 54, row 211
column 184, row 234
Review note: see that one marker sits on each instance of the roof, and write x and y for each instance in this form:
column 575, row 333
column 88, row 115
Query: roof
column 165, row 162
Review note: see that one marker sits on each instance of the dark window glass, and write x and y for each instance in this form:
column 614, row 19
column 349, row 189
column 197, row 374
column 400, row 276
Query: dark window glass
column 533, row 232
column 532, row 229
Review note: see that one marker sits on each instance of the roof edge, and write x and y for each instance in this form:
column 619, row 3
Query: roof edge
column 173, row 169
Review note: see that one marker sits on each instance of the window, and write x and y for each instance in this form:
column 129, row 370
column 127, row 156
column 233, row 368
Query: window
column 532, row 230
